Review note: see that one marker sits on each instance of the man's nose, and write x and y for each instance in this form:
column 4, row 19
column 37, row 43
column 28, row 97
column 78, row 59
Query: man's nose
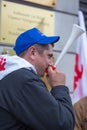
column 51, row 62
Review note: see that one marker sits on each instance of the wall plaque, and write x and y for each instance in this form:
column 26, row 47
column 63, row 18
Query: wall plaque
column 16, row 18
column 44, row 2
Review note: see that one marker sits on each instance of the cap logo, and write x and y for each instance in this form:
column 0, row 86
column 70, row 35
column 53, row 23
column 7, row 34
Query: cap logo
column 2, row 63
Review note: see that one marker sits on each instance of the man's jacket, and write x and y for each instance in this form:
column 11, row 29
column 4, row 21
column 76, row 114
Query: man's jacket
column 26, row 104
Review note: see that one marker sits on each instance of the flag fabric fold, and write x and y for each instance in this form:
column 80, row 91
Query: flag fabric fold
column 80, row 78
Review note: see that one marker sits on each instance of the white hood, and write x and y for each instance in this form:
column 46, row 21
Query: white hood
column 9, row 64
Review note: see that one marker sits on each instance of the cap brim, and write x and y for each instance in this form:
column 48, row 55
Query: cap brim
column 49, row 40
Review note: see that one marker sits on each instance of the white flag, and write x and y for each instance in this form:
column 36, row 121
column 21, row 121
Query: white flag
column 80, row 78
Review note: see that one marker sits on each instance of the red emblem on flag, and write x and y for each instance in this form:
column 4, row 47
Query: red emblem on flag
column 2, row 63
column 77, row 71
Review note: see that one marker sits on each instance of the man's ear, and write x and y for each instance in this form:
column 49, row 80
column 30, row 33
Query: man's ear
column 32, row 52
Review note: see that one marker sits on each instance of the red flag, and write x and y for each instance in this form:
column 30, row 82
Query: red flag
column 80, row 78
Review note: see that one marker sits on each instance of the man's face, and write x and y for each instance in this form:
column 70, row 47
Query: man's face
column 44, row 60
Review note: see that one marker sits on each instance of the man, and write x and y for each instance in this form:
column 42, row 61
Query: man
column 80, row 108
column 25, row 102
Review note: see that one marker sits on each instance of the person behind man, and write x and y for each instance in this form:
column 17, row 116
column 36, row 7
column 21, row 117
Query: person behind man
column 80, row 109
column 25, row 102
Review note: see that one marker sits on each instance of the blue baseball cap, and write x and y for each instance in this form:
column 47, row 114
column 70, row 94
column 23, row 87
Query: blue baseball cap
column 31, row 37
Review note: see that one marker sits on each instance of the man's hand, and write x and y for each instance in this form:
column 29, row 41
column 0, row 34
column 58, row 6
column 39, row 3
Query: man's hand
column 55, row 77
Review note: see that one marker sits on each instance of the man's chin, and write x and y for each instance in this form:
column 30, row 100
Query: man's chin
column 42, row 75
